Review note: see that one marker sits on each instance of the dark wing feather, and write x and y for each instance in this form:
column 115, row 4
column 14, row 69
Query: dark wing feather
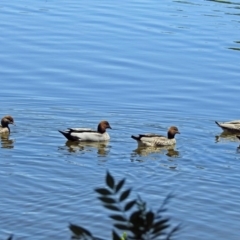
column 150, row 135
column 81, row 130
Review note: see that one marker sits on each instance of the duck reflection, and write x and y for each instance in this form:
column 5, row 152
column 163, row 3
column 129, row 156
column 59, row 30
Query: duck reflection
column 88, row 146
column 168, row 150
column 6, row 142
column 238, row 148
column 227, row 136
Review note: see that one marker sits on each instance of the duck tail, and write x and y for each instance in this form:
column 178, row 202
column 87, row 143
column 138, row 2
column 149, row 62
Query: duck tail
column 217, row 123
column 65, row 134
column 135, row 137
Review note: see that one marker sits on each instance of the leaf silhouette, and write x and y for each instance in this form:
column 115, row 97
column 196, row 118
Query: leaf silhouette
column 129, row 205
column 132, row 217
column 125, row 194
column 79, row 231
column 136, row 218
column 173, row 231
column 149, row 219
column 110, row 180
column 112, row 207
column 115, row 236
column 10, row 237
column 107, row 200
column 121, row 226
column 119, row 185
column 118, row 218
column 160, row 228
column 103, row 191
column 160, row 223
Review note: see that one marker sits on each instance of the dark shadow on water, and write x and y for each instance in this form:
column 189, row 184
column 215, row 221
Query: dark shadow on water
column 6, row 142
column 235, row 48
column 101, row 147
column 226, row 2
column 185, row 2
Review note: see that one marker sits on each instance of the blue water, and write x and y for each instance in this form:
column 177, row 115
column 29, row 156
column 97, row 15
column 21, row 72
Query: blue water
column 141, row 65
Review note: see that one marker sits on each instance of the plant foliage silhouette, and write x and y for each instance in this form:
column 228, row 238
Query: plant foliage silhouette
column 131, row 218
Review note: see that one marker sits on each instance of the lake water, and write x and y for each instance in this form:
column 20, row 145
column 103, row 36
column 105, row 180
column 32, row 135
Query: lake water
column 141, row 65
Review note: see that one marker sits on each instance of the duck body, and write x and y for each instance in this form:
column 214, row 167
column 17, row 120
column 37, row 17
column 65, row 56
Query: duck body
column 155, row 140
column 152, row 140
column 232, row 126
column 6, row 120
column 88, row 134
column 4, row 130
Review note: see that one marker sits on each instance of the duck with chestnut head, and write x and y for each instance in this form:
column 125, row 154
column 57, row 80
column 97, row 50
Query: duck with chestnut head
column 88, row 134
column 6, row 120
column 155, row 140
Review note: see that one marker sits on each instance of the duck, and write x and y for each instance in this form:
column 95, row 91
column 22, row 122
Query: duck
column 232, row 126
column 155, row 140
column 88, row 134
column 6, row 120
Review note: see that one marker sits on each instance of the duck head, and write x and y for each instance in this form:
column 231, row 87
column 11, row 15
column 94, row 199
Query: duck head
column 172, row 131
column 102, row 126
column 7, row 120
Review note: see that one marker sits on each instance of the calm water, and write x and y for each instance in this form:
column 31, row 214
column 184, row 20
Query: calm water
column 143, row 66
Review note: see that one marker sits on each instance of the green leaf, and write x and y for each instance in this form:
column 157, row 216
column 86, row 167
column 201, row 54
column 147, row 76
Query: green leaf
column 103, row 191
column 125, row 194
column 115, row 236
column 119, row 185
column 129, row 205
column 112, row 207
column 121, row 226
column 110, row 180
column 79, row 231
column 118, row 218
column 107, row 200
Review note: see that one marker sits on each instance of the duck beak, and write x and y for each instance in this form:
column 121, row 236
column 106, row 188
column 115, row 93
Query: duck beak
column 13, row 123
column 178, row 132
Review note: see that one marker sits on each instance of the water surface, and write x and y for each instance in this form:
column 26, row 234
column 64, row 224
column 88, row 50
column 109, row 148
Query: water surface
column 143, row 66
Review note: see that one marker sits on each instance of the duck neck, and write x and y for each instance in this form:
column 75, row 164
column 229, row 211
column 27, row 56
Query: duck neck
column 4, row 124
column 170, row 135
column 100, row 129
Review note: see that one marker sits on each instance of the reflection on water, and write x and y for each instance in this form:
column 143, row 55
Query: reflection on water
column 101, row 147
column 227, row 136
column 6, row 142
column 168, row 150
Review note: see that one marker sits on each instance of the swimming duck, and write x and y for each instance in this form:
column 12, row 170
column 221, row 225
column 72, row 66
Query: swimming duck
column 88, row 134
column 155, row 140
column 4, row 128
column 232, row 126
